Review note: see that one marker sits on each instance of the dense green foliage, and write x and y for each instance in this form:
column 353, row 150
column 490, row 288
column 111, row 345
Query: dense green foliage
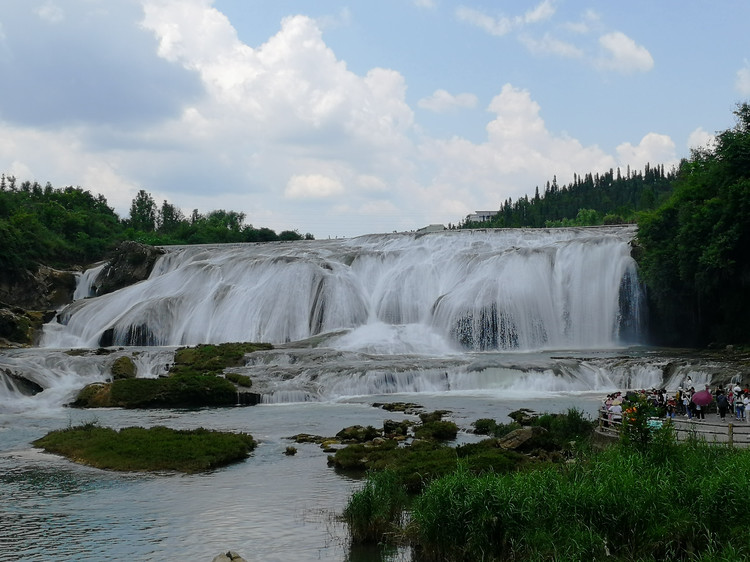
column 71, row 226
column 56, row 227
column 592, row 199
column 667, row 502
column 155, row 449
column 695, row 256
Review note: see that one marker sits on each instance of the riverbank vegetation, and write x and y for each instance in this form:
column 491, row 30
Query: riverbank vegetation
column 693, row 249
column 398, row 473
column 665, row 502
column 154, row 449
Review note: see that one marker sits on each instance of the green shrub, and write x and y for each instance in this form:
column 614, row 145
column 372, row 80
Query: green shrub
column 485, row 426
column 439, row 430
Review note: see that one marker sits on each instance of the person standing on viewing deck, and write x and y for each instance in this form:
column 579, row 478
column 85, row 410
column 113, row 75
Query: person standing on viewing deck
column 739, row 407
column 687, row 395
column 699, row 412
column 723, row 404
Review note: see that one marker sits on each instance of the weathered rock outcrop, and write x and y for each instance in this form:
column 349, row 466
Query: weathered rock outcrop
column 131, row 262
column 44, row 290
column 19, row 383
column 19, row 326
column 519, row 438
column 29, row 300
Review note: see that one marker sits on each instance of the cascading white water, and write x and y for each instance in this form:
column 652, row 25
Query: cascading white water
column 477, row 290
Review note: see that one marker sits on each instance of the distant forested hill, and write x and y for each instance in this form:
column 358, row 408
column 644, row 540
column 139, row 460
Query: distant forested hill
column 609, row 198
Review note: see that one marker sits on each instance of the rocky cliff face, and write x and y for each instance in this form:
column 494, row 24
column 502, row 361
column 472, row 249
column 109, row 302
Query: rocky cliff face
column 44, row 290
column 131, row 262
column 28, row 301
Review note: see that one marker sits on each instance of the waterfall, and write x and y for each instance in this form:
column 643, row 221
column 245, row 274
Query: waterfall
column 512, row 289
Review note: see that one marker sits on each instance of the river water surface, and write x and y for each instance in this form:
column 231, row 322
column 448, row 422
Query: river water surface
column 271, row 507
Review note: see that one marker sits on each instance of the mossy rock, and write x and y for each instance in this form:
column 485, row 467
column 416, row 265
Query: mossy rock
column 357, row 434
column 308, row 438
column 395, row 429
column 15, row 326
column 179, row 391
column 123, row 368
column 404, row 407
column 95, row 395
column 240, row 380
column 213, row 359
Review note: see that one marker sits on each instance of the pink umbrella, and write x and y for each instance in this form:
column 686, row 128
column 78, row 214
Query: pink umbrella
column 702, row 397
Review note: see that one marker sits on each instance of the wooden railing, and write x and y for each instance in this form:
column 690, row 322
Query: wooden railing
column 712, row 429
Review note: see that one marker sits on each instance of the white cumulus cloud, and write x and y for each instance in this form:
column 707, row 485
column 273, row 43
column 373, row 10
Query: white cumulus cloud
column 653, row 148
column 701, row 138
column 441, row 101
column 549, row 45
column 623, row 54
column 312, row 186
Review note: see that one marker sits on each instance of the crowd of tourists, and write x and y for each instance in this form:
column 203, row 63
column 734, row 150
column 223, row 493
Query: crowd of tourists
column 732, row 401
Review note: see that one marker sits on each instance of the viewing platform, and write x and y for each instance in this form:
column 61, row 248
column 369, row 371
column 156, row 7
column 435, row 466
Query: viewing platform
column 712, row 429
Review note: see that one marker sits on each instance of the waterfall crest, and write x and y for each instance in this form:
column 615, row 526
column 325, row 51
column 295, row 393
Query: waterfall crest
column 514, row 289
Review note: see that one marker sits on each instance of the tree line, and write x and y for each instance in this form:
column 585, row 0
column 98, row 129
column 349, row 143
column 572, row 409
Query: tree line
column 613, row 197
column 695, row 247
column 70, row 226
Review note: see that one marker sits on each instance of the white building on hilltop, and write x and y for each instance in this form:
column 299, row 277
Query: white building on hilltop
column 481, row 216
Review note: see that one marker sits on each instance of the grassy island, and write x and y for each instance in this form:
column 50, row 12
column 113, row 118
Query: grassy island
column 154, row 449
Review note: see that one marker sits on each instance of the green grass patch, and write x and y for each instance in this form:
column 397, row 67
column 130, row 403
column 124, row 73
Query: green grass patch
column 213, row 359
column 177, row 391
column 240, row 380
column 154, row 449
column 667, row 502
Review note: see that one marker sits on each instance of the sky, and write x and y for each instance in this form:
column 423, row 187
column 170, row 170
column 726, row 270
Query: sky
column 343, row 118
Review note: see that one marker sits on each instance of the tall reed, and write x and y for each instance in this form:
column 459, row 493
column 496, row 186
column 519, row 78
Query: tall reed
column 375, row 513
column 620, row 504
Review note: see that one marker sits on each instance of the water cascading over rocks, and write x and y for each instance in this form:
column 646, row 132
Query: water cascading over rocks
column 479, row 290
